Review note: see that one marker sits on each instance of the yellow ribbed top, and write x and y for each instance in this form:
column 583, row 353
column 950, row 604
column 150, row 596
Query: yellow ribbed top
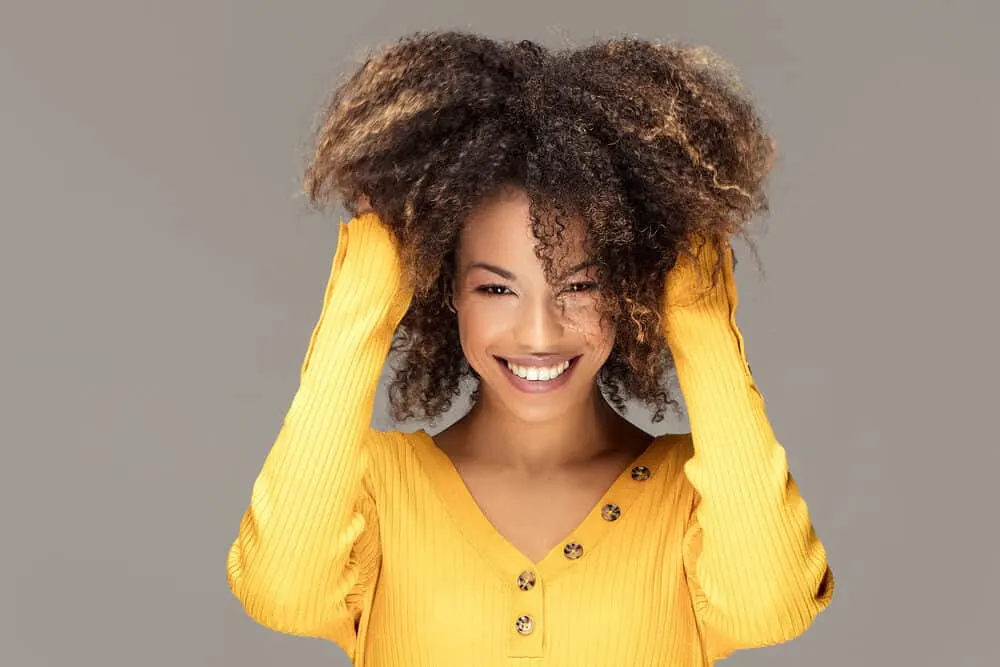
column 370, row 539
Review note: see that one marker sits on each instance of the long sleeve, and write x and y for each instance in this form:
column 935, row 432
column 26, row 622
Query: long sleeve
column 758, row 573
column 308, row 546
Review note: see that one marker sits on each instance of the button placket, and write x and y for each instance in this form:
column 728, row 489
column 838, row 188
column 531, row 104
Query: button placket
column 526, row 621
column 526, row 616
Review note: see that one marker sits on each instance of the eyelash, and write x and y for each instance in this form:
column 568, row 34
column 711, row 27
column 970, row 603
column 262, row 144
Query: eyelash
column 488, row 290
column 491, row 290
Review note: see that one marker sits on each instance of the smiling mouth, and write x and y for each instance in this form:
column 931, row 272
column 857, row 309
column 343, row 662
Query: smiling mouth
column 537, row 378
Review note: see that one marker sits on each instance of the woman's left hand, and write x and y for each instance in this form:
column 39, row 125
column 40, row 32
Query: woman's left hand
column 691, row 279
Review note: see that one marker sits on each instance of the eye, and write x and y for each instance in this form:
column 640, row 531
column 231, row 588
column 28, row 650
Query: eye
column 586, row 286
column 494, row 290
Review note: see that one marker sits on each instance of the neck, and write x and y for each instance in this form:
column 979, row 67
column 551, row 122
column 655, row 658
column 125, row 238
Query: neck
column 493, row 434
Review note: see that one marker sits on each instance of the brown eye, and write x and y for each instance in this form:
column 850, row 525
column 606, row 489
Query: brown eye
column 493, row 290
column 586, row 286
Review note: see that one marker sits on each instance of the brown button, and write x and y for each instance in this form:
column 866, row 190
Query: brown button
column 525, row 625
column 611, row 512
column 526, row 580
column 573, row 550
column 640, row 473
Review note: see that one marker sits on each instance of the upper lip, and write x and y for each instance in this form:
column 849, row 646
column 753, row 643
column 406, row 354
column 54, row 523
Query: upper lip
column 545, row 361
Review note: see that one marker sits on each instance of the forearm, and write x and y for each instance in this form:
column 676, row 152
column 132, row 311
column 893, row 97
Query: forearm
column 303, row 519
column 760, row 561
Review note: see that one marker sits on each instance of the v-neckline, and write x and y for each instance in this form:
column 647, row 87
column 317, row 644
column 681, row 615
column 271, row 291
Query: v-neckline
column 509, row 560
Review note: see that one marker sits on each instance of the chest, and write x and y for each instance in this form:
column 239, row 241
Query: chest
column 469, row 558
column 536, row 514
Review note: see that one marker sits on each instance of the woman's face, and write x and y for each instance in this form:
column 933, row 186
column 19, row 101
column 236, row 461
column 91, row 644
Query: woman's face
column 537, row 346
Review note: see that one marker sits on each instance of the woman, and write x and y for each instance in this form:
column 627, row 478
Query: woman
column 552, row 228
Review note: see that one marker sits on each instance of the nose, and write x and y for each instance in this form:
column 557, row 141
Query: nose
column 539, row 324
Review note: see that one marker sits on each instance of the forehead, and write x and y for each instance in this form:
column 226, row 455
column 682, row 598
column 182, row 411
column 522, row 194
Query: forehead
column 501, row 227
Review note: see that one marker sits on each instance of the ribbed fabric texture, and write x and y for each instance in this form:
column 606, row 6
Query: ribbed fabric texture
column 703, row 546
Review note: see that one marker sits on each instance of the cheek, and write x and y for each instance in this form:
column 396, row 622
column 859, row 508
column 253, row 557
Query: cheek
column 479, row 327
column 584, row 320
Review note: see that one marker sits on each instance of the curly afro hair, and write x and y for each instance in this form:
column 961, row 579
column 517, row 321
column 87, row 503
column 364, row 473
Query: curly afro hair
column 650, row 144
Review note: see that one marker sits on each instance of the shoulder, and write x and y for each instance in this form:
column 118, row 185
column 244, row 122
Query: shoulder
column 393, row 457
column 674, row 445
column 680, row 445
column 675, row 449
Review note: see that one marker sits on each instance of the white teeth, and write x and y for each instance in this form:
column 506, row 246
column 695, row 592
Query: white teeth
column 538, row 373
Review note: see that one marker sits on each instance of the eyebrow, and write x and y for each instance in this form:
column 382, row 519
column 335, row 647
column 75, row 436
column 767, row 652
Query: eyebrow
column 580, row 267
column 507, row 275
column 503, row 273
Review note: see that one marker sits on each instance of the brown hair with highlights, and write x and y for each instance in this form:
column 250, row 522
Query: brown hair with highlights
column 651, row 144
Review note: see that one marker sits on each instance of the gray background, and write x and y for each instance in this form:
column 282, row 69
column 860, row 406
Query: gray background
column 159, row 280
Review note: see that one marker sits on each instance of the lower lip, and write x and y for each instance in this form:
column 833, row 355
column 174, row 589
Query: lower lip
column 538, row 386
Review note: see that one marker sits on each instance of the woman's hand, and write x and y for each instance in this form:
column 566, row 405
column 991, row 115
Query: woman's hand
column 691, row 278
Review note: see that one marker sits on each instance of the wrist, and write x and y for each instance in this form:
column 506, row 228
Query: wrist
column 372, row 261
